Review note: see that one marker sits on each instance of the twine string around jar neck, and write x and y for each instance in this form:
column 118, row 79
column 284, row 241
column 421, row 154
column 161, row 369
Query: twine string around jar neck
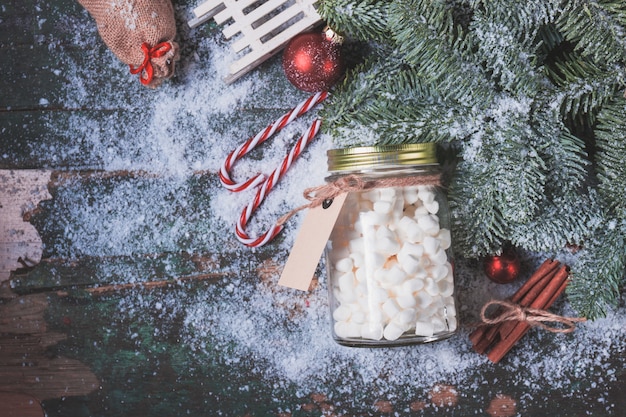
column 324, row 194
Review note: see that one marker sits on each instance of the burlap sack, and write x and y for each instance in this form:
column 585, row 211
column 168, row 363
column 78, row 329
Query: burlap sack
column 140, row 33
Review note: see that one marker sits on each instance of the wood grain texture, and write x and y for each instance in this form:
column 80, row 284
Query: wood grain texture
column 20, row 244
column 26, row 366
column 20, row 405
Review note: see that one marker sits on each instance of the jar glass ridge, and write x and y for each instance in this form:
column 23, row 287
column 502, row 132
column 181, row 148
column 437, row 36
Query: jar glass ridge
column 389, row 262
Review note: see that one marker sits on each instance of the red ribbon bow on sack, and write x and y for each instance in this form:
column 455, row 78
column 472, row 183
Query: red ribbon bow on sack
column 155, row 52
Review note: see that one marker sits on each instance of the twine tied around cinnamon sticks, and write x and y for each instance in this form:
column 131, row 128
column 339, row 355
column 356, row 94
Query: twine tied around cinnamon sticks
column 324, row 194
column 497, row 336
column 533, row 316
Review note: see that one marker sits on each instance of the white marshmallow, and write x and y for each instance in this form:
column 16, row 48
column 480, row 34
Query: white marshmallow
column 406, row 301
column 420, row 211
column 412, row 285
column 378, row 295
column 423, row 300
column 439, row 325
column 450, row 275
column 390, row 308
column 450, row 307
column 393, row 331
column 394, row 276
column 360, row 275
column 445, row 240
column 346, row 330
column 446, row 288
column 379, row 275
column 358, row 259
column 438, row 272
column 373, row 218
column 412, row 233
column 354, row 330
column 431, row 287
column 373, row 331
column 344, row 297
column 411, row 249
column 346, row 282
column 404, row 222
column 361, row 288
column 429, row 224
column 344, row 265
column 409, row 229
column 405, row 318
column 440, row 257
column 387, row 246
column 387, row 194
column 424, row 328
column 426, row 194
column 437, row 306
column 430, row 244
column 410, row 195
column 383, row 207
column 357, row 245
column 375, row 261
column 376, row 316
column 358, row 317
column 342, row 313
column 358, row 227
column 413, row 266
column 397, row 210
column 432, row 207
column 384, row 232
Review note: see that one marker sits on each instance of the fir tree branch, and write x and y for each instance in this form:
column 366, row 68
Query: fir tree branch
column 364, row 20
column 509, row 35
column 597, row 29
column 611, row 144
column 561, row 220
column 583, row 86
column 428, row 40
column 478, row 228
column 599, row 272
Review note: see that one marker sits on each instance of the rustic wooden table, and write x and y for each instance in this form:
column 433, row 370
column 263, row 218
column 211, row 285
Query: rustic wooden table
column 124, row 292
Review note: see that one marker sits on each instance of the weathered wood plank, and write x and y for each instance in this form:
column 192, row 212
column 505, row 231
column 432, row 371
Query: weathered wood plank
column 20, row 405
column 26, row 365
column 102, row 275
column 20, row 244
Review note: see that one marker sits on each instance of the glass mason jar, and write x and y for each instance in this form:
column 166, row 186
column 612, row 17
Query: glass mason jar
column 389, row 260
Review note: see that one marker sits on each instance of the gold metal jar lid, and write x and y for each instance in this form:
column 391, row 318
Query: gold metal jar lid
column 370, row 157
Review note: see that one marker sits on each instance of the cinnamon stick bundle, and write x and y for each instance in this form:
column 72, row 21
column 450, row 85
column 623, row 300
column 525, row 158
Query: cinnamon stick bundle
column 499, row 335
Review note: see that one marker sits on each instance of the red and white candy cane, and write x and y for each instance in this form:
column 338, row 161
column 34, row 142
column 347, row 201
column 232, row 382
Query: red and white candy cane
column 266, row 184
column 261, row 137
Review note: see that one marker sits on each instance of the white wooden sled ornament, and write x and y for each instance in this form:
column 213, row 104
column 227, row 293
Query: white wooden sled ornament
column 265, row 27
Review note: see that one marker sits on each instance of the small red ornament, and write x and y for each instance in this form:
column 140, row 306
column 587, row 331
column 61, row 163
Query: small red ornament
column 312, row 61
column 503, row 268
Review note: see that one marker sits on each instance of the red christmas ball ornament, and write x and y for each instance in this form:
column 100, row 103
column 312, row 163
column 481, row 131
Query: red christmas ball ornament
column 312, row 61
column 503, row 268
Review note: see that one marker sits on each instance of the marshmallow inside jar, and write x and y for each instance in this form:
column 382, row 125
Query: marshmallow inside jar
column 389, row 261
